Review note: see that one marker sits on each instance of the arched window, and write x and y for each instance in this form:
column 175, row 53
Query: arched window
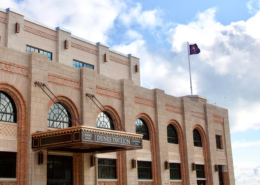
column 7, row 108
column 58, row 117
column 105, row 121
column 197, row 138
column 172, row 135
column 141, row 128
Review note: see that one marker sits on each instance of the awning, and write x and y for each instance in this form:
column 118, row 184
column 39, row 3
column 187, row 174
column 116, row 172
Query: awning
column 85, row 139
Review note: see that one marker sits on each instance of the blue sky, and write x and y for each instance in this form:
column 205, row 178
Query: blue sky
column 226, row 71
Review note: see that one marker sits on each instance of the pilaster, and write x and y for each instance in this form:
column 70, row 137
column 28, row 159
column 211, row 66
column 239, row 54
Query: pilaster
column 102, row 65
column 134, row 75
column 63, row 54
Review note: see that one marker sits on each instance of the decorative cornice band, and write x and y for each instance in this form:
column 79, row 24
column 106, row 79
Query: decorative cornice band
column 176, row 183
column 198, row 115
column 14, row 68
column 173, row 108
column 145, row 183
column 39, row 33
column 218, row 119
column 144, row 101
column 118, row 60
column 3, row 20
column 111, row 93
column 84, row 48
column 107, row 183
column 64, row 81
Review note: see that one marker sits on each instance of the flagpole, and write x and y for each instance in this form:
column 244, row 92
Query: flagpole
column 188, row 47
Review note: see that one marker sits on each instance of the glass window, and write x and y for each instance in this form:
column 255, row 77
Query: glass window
column 172, row 135
column 200, row 171
column 141, row 128
column 175, row 171
column 107, row 169
column 58, row 117
column 7, row 108
column 197, row 138
column 105, row 121
column 78, row 64
column 7, row 164
column 144, row 169
column 33, row 49
column 218, row 141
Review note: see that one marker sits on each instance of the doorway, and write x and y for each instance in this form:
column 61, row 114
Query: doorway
column 59, row 170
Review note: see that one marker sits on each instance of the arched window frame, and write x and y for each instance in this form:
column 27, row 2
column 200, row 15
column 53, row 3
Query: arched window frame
column 5, row 115
column 172, row 134
column 144, row 131
column 197, row 138
column 64, row 117
column 105, row 121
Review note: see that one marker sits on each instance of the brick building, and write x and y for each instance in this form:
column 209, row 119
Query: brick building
column 73, row 112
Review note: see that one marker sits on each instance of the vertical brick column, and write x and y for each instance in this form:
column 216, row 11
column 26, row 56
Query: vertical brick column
column 38, row 115
column 161, row 127
column 63, row 55
column 188, row 137
column 14, row 40
column 102, row 66
column 228, row 149
column 129, row 122
column 134, row 76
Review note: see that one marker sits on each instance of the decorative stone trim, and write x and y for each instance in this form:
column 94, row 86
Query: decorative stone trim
column 218, row 119
column 145, row 183
column 107, row 183
column 84, row 48
column 111, row 93
column 4, row 21
column 77, row 168
column 39, row 33
column 14, row 68
column 63, row 81
column 8, row 183
column 144, row 101
column 8, row 130
column 176, row 183
column 173, row 108
column 198, row 115
column 118, row 60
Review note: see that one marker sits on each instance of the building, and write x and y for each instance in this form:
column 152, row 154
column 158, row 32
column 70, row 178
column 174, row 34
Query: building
column 73, row 112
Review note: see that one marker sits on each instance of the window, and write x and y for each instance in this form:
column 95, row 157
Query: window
column 172, row 135
column 30, row 49
column 7, row 164
column 107, row 169
column 218, row 141
column 220, row 175
column 175, row 171
column 197, row 138
column 144, row 170
column 78, row 64
column 200, row 171
column 105, row 121
column 7, row 108
column 58, row 117
column 141, row 128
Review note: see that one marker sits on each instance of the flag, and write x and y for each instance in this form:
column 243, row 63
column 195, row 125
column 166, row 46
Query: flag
column 194, row 49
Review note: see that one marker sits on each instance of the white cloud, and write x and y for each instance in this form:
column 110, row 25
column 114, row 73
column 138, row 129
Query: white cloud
column 247, row 173
column 239, row 144
column 253, row 6
column 132, row 34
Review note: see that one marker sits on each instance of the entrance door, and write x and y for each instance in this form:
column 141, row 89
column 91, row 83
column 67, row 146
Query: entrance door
column 59, row 170
column 201, row 182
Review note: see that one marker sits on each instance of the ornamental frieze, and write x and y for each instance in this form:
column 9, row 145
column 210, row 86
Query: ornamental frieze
column 84, row 48
column 144, row 101
column 218, row 119
column 39, row 33
column 198, row 115
column 118, row 60
column 111, row 93
column 14, row 68
column 172, row 108
column 3, row 20
column 64, row 81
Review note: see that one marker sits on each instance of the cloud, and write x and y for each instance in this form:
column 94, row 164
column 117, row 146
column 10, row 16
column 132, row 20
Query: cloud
column 239, row 144
column 132, row 34
column 247, row 173
column 253, row 6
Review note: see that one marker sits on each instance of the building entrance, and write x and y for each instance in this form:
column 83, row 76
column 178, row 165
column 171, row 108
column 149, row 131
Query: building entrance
column 201, row 182
column 59, row 170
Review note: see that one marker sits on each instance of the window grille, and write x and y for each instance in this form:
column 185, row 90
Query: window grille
column 105, row 121
column 172, row 135
column 197, row 138
column 175, row 171
column 144, row 170
column 107, row 169
column 7, row 164
column 58, row 117
column 30, row 49
column 141, row 128
column 78, row 64
column 200, row 171
column 7, row 108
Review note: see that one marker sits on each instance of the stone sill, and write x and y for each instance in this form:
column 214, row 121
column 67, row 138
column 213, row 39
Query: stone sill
column 114, row 180
column 8, row 123
column 144, row 180
column 7, row 179
column 220, row 150
column 176, row 180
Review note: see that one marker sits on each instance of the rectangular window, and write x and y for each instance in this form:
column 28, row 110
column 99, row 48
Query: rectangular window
column 144, row 170
column 220, row 175
column 30, row 49
column 218, row 140
column 7, row 164
column 175, row 171
column 107, row 169
column 200, row 171
column 78, row 64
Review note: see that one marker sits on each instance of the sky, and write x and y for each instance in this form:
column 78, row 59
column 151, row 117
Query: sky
column 226, row 71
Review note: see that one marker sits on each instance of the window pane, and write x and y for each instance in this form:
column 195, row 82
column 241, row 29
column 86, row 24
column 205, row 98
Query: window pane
column 175, row 171
column 141, row 128
column 7, row 165
column 105, row 121
column 218, row 141
column 107, row 169
column 172, row 134
column 144, row 170
column 78, row 64
column 7, row 108
column 200, row 171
